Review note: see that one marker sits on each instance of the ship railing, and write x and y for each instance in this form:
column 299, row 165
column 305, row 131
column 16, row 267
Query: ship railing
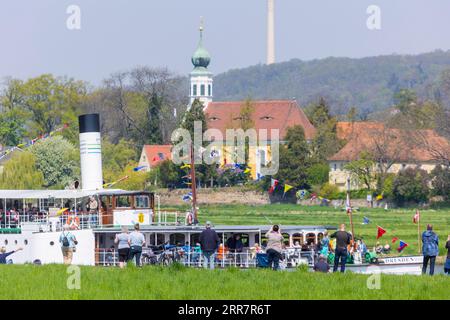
column 247, row 259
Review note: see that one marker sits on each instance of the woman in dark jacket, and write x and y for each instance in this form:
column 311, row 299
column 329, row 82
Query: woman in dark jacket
column 430, row 249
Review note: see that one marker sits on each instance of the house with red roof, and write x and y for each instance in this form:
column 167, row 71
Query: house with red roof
column 396, row 148
column 152, row 155
column 264, row 116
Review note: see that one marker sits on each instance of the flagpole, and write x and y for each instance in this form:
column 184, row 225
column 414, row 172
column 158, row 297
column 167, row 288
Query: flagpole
column 418, row 233
column 350, row 208
column 193, row 186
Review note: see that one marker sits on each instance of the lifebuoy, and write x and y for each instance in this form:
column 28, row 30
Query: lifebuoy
column 73, row 222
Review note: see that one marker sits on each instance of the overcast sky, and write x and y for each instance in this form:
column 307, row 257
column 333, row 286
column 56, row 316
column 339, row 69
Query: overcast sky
column 119, row 34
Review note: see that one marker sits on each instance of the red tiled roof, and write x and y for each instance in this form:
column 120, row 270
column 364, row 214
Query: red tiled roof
column 401, row 145
column 153, row 153
column 271, row 114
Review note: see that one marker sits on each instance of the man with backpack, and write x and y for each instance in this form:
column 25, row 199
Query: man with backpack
column 68, row 244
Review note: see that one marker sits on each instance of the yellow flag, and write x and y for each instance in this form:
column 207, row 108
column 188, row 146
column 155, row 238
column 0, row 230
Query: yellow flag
column 248, row 170
column 61, row 211
column 287, row 188
column 186, row 166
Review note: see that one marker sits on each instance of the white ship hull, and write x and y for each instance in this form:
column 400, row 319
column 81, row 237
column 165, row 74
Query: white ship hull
column 395, row 265
column 45, row 246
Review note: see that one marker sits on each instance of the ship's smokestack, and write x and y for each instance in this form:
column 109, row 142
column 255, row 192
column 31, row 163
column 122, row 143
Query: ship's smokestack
column 90, row 152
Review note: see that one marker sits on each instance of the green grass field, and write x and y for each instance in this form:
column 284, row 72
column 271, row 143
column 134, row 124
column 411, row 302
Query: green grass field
column 397, row 222
column 50, row 282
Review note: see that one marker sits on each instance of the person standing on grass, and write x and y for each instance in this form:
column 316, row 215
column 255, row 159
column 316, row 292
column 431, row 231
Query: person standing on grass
column 430, row 249
column 4, row 254
column 123, row 246
column 343, row 239
column 447, row 262
column 274, row 247
column 136, row 242
column 68, row 244
column 209, row 243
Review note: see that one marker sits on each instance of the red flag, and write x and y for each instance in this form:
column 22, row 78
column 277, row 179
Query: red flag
column 273, row 185
column 416, row 217
column 380, row 232
column 394, row 239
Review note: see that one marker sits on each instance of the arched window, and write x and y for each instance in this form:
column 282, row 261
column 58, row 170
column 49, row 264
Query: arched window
column 297, row 237
column 209, row 90
column 262, row 157
column 286, row 237
column 202, row 90
column 310, row 238
column 194, row 90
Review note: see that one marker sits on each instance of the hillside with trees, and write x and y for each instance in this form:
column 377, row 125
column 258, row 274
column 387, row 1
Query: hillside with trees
column 370, row 84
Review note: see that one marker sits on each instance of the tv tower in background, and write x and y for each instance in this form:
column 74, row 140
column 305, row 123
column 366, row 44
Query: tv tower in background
column 270, row 31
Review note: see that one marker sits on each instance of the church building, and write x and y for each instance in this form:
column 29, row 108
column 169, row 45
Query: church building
column 265, row 114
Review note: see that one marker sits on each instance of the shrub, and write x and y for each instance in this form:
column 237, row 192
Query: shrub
column 329, row 191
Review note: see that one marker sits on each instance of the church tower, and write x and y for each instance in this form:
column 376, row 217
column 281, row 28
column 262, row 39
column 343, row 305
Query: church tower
column 201, row 78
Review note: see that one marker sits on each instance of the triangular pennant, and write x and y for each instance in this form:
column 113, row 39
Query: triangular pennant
column 287, row 188
column 402, row 245
column 380, row 232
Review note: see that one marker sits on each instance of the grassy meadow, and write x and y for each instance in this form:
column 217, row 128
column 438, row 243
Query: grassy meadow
column 177, row 282
column 397, row 222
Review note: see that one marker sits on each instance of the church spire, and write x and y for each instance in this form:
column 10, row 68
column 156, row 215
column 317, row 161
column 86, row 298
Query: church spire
column 201, row 78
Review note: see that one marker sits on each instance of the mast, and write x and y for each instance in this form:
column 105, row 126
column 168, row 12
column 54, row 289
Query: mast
column 193, row 186
column 349, row 208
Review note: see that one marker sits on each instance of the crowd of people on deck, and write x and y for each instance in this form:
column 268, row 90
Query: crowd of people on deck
column 76, row 219
column 340, row 244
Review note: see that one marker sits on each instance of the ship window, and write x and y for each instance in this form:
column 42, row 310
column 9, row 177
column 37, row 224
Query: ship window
column 202, row 90
column 52, row 243
column 25, row 242
column 297, row 237
column 286, row 238
column 15, row 242
column 195, row 238
column 176, row 239
column 310, row 238
column 263, row 241
column 123, row 202
column 158, row 237
column 142, row 202
column 319, row 237
column 6, row 242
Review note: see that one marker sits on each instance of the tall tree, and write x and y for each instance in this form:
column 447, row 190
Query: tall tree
column 58, row 160
column 294, row 158
column 21, row 173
